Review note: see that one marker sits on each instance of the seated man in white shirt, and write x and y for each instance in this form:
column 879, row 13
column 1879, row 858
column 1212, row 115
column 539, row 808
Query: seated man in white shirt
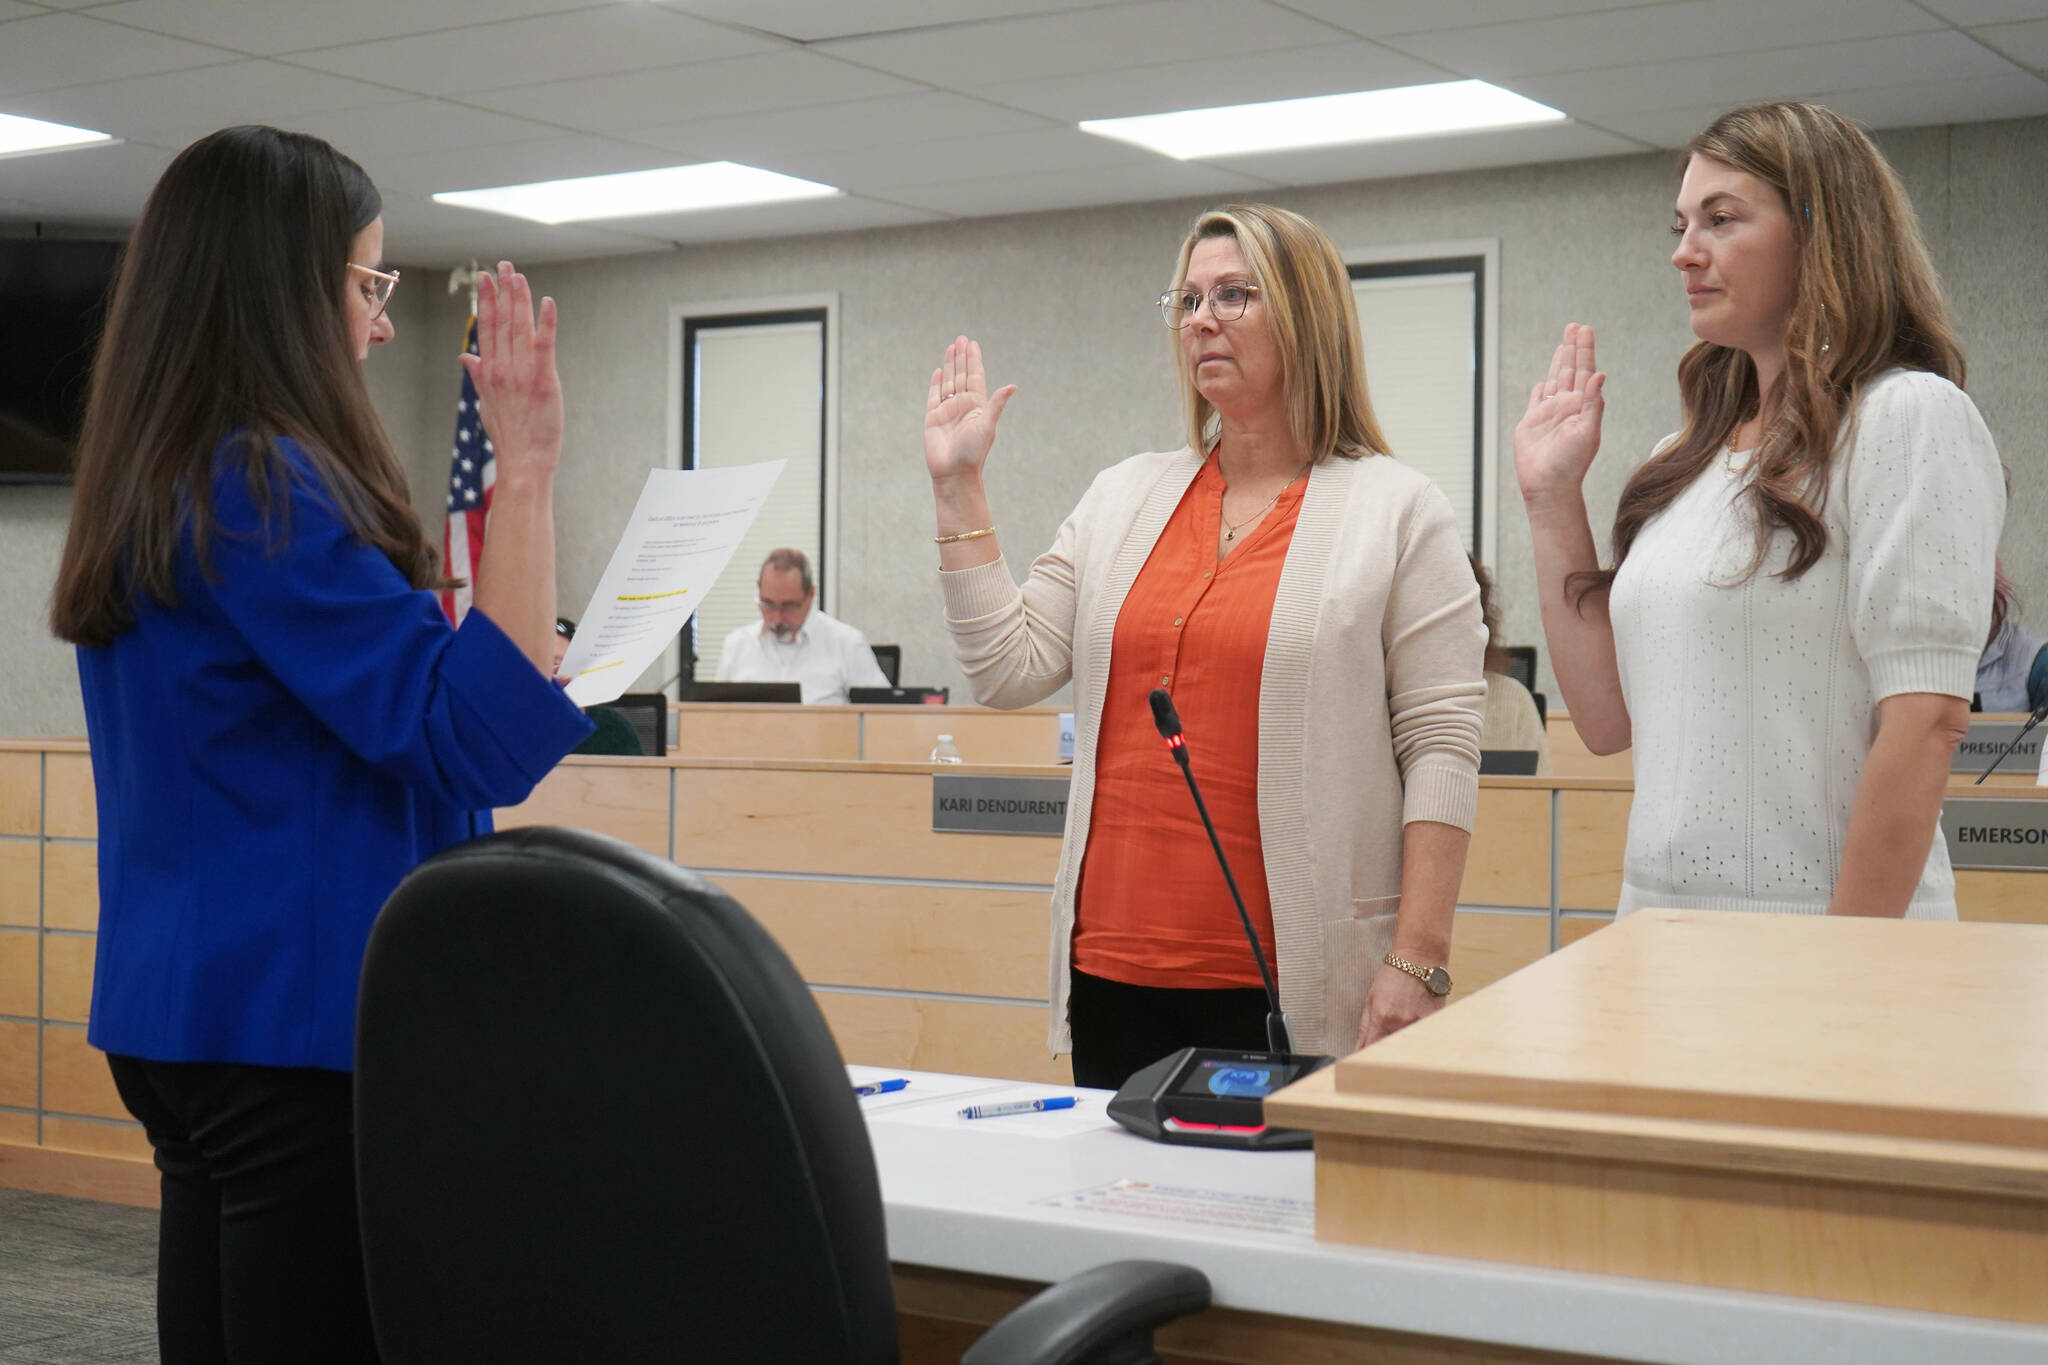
column 795, row 643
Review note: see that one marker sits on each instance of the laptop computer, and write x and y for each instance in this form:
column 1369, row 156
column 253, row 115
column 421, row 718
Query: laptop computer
column 740, row 691
column 898, row 696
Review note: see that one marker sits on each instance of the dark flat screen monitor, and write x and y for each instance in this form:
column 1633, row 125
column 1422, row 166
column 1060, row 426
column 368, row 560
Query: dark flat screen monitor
column 1507, row 762
column 741, row 691
column 53, row 298
column 898, row 696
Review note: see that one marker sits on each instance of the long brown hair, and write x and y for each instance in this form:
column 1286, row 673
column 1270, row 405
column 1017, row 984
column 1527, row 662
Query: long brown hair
column 1867, row 301
column 227, row 315
column 1307, row 294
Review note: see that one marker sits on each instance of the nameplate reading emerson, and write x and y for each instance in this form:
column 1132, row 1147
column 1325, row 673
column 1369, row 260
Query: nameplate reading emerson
column 999, row 805
column 1988, row 832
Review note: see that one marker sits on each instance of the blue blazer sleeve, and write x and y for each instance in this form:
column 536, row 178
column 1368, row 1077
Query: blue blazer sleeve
column 461, row 714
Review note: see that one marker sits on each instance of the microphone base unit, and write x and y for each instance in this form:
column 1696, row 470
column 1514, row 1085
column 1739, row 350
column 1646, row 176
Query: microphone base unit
column 1214, row 1097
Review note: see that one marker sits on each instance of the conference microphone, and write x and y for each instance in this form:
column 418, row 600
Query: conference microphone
column 2037, row 704
column 1168, row 721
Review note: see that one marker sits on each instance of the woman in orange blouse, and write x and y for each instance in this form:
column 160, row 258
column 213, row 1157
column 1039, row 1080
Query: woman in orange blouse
column 1308, row 604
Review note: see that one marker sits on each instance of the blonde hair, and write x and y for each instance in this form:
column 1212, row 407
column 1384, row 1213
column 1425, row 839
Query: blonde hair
column 1867, row 300
column 1307, row 296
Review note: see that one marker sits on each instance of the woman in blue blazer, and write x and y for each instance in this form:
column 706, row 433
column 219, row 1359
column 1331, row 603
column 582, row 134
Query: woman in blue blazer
column 283, row 722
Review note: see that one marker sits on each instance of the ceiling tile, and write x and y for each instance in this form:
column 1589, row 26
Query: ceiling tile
column 904, row 163
column 1425, row 156
column 830, row 127
column 969, row 56
column 51, row 50
column 415, row 126
column 1909, row 106
column 2025, row 43
column 1159, row 179
column 601, row 42
column 270, row 27
column 1700, row 28
column 844, row 214
column 1969, row 12
column 514, row 163
column 1785, row 73
column 1329, row 69
column 106, row 181
column 1387, row 18
column 810, row 20
column 645, row 99
column 176, row 107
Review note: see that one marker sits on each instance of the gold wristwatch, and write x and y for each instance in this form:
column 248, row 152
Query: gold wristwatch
column 1436, row 978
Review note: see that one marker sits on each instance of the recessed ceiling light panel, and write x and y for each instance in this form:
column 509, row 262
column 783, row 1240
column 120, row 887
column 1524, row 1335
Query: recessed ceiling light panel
column 1410, row 111
column 19, row 135
column 636, row 194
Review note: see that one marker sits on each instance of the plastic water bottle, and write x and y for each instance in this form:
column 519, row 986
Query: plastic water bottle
column 945, row 751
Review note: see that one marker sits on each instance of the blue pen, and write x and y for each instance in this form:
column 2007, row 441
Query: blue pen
column 996, row 1111
column 881, row 1087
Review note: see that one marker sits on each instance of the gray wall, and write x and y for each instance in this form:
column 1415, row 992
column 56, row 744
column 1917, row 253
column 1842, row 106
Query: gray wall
column 1060, row 302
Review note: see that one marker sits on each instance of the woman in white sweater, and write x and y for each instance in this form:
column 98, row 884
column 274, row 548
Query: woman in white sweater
column 1306, row 601
column 1803, row 573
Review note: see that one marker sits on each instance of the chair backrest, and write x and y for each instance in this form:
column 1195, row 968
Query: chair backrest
column 599, row 1117
column 890, row 659
column 649, row 713
column 1522, row 664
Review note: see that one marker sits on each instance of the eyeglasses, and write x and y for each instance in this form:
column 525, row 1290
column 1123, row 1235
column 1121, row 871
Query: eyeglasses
column 1227, row 303
column 378, row 289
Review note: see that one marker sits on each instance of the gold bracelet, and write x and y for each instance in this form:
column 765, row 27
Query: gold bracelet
column 964, row 535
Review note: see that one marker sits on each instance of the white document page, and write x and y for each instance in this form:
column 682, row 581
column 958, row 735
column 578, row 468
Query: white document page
column 682, row 533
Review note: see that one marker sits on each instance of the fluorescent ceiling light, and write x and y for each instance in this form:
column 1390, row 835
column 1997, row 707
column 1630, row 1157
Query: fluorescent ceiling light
column 635, row 194
column 1327, row 120
column 33, row 135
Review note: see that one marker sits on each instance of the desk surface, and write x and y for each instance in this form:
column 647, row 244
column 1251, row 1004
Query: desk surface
column 947, row 1208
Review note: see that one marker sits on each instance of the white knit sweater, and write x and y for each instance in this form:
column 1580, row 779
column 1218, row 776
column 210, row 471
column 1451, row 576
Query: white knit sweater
column 1369, row 703
column 1753, row 706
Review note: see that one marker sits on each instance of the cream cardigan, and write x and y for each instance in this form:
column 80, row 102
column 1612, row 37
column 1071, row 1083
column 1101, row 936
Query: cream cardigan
column 1376, row 634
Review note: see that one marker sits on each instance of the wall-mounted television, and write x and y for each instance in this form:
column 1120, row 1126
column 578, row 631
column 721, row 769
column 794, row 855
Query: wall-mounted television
column 53, row 300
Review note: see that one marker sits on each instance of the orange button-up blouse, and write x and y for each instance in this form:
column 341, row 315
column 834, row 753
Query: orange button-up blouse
column 1152, row 908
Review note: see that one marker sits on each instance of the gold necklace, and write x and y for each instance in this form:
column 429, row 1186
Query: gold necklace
column 1230, row 531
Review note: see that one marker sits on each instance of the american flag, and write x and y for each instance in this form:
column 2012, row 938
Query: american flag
column 472, row 471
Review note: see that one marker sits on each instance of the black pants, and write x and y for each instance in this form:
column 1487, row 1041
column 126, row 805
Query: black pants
column 1119, row 1029
column 258, row 1255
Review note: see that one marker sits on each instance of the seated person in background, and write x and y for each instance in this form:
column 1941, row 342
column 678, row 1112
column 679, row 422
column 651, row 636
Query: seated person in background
column 614, row 734
column 2008, row 661
column 794, row 642
column 1511, row 720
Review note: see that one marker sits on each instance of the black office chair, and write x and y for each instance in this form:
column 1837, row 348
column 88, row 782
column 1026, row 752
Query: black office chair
column 889, row 658
column 599, row 1117
column 648, row 711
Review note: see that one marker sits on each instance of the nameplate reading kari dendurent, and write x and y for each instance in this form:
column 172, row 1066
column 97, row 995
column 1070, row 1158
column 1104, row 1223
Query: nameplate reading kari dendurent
column 999, row 805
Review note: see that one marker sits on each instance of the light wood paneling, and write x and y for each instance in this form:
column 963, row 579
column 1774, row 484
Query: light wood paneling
column 628, row 801
column 1569, row 756
column 71, row 886
column 1570, row 930
column 1592, row 837
column 1486, row 947
column 21, row 793
column 79, row 1175
column 1509, row 861
column 75, row 1076
column 67, row 977
column 905, row 734
column 20, row 880
column 720, row 731
column 68, row 810
column 92, row 1135
column 17, row 1064
column 864, row 823
column 17, row 1127
column 18, row 972
column 919, row 938
column 1940, row 1251
column 958, row 1036
column 2007, row 897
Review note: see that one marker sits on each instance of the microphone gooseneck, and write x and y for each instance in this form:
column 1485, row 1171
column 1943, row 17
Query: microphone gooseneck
column 1168, row 721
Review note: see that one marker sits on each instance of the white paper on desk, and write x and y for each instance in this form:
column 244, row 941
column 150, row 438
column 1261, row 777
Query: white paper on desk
column 1088, row 1114
column 681, row 536
column 924, row 1088
column 1182, row 1204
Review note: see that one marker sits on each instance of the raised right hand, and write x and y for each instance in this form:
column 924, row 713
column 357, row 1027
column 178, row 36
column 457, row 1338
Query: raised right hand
column 519, row 394
column 960, row 414
column 1559, row 435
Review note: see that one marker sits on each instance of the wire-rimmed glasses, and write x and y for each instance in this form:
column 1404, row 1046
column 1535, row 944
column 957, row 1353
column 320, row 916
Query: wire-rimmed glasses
column 1227, row 302
column 379, row 288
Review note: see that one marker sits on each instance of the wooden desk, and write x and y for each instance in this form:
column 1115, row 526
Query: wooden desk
column 880, row 734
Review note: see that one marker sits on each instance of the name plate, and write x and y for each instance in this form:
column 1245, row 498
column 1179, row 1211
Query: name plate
column 999, row 805
column 1987, row 740
column 1988, row 833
